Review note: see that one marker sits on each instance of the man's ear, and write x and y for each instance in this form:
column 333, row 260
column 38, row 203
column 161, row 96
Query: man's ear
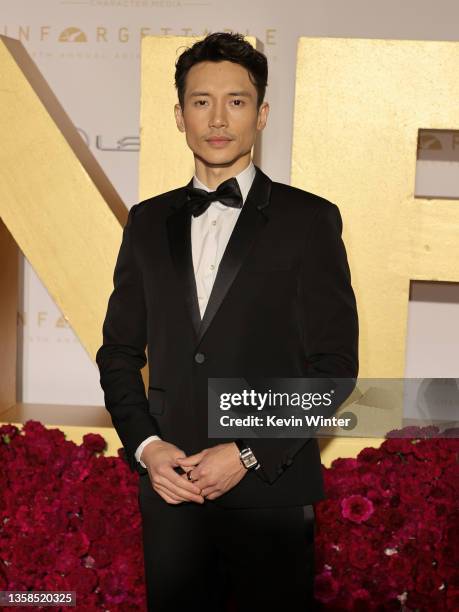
column 179, row 117
column 263, row 113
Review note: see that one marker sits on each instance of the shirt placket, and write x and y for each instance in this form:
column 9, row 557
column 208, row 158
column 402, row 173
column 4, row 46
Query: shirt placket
column 211, row 250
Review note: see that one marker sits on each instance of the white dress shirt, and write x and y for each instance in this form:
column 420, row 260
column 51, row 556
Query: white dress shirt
column 210, row 233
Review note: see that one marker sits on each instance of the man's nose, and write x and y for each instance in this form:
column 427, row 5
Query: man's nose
column 218, row 116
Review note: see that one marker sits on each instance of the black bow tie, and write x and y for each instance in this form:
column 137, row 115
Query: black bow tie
column 228, row 193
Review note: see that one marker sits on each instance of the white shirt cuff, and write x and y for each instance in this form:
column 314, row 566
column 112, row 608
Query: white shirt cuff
column 141, row 446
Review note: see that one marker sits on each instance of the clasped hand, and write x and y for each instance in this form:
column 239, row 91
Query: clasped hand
column 213, row 471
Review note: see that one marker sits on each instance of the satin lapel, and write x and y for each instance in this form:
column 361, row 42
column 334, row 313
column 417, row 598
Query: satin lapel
column 179, row 235
column 251, row 219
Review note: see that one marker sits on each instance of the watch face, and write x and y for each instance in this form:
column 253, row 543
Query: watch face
column 248, row 459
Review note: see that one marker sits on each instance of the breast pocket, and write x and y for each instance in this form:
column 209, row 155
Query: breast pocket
column 156, row 400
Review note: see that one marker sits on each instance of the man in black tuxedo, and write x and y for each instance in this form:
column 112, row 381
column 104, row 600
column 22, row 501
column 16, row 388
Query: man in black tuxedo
column 232, row 275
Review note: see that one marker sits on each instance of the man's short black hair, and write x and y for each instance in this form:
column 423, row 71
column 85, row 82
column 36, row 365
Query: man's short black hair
column 219, row 47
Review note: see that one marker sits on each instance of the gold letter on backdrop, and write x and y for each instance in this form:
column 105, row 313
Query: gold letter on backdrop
column 55, row 200
column 358, row 107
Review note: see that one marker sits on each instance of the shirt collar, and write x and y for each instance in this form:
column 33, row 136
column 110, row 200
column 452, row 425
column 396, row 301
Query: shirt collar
column 244, row 179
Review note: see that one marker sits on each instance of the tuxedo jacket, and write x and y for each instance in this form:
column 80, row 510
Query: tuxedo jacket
column 282, row 305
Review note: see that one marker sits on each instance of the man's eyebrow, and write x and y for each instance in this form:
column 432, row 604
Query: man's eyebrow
column 246, row 94
column 242, row 93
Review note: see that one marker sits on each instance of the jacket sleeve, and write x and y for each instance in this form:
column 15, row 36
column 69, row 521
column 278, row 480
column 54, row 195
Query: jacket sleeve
column 329, row 329
column 122, row 354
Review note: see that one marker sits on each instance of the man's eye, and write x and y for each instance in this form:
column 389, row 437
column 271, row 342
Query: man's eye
column 198, row 102
column 238, row 102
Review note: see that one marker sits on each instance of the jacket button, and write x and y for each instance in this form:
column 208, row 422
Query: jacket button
column 289, row 461
column 280, row 470
column 199, row 357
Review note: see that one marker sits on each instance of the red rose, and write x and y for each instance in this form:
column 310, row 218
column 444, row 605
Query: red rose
column 370, row 455
column 102, row 552
column 66, row 562
column 398, row 445
column 94, row 525
column 399, row 572
column 428, row 580
column 83, row 580
column 362, row 601
column 94, row 442
column 357, row 508
column 326, row 588
column 362, row 556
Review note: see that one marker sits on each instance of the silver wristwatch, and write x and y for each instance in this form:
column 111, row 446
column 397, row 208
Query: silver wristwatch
column 248, row 459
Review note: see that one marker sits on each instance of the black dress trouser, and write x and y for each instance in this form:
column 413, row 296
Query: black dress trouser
column 201, row 557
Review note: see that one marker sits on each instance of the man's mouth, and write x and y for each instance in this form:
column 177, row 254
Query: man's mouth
column 218, row 141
